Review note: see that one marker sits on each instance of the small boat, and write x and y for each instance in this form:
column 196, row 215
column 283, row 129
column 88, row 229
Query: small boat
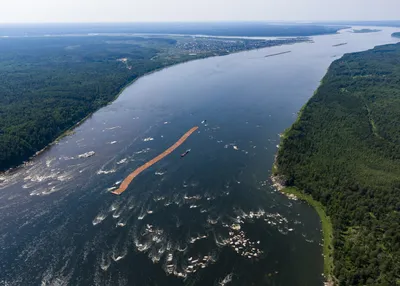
column 185, row 153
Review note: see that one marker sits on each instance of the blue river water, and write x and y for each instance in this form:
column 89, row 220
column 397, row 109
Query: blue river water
column 210, row 218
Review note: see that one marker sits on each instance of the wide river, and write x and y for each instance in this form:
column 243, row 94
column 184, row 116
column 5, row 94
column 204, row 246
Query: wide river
column 209, row 218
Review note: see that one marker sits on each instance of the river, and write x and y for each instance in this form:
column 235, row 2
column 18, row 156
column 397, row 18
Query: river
column 178, row 222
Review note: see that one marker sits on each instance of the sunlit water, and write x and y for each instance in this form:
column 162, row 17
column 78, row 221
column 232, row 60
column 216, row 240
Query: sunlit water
column 178, row 222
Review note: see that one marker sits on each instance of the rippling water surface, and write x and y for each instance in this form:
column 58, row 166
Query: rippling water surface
column 210, row 218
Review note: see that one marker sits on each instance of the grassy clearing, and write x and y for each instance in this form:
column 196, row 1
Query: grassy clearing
column 326, row 228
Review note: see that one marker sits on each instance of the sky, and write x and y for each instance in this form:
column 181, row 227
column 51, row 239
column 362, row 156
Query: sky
column 51, row 11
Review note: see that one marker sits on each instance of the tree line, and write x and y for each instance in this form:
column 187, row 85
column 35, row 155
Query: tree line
column 344, row 150
column 49, row 84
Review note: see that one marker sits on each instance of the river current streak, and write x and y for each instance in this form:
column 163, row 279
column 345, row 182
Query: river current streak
column 125, row 183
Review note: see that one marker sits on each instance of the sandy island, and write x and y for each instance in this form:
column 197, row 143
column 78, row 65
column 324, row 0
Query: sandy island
column 125, row 183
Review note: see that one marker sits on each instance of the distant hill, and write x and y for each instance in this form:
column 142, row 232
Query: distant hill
column 393, row 23
column 250, row 29
column 344, row 150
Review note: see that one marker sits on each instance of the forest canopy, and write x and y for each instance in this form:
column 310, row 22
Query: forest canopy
column 344, row 150
column 48, row 84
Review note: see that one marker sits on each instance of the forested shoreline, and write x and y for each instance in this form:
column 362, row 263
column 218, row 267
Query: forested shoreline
column 344, row 151
column 49, row 84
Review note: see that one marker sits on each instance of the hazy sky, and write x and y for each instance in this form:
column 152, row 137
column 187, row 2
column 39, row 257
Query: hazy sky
column 20, row 11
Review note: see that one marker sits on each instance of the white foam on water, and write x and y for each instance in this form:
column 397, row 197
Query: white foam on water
column 100, row 172
column 117, row 214
column 115, row 205
column 196, row 238
column 142, row 151
column 59, row 278
column 194, row 184
column 87, row 154
column 131, row 204
column 121, row 224
column 49, row 161
column 226, row 280
column 220, row 241
column 65, row 177
column 148, row 139
column 99, row 218
column 141, row 216
column 122, row 161
column 155, row 255
column 105, row 261
column 195, row 197
column 28, row 185
column 38, row 178
column 213, row 221
column 49, row 191
column 142, row 247
column 118, row 256
column 112, row 128
column 158, row 198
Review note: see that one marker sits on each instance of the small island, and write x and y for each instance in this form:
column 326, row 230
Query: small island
column 396, row 35
column 277, row 54
column 361, row 31
column 338, row 45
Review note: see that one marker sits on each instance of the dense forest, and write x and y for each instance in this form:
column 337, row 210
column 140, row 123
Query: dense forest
column 48, row 84
column 344, row 150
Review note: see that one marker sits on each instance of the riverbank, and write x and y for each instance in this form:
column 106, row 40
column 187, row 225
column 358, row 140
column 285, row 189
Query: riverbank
column 348, row 162
column 71, row 129
column 28, row 159
column 327, row 230
column 279, row 182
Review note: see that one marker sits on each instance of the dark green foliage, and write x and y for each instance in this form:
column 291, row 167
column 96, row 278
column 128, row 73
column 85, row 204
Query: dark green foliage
column 344, row 150
column 49, row 84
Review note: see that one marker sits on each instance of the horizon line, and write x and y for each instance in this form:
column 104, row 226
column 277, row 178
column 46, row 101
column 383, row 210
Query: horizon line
column 202, row 22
